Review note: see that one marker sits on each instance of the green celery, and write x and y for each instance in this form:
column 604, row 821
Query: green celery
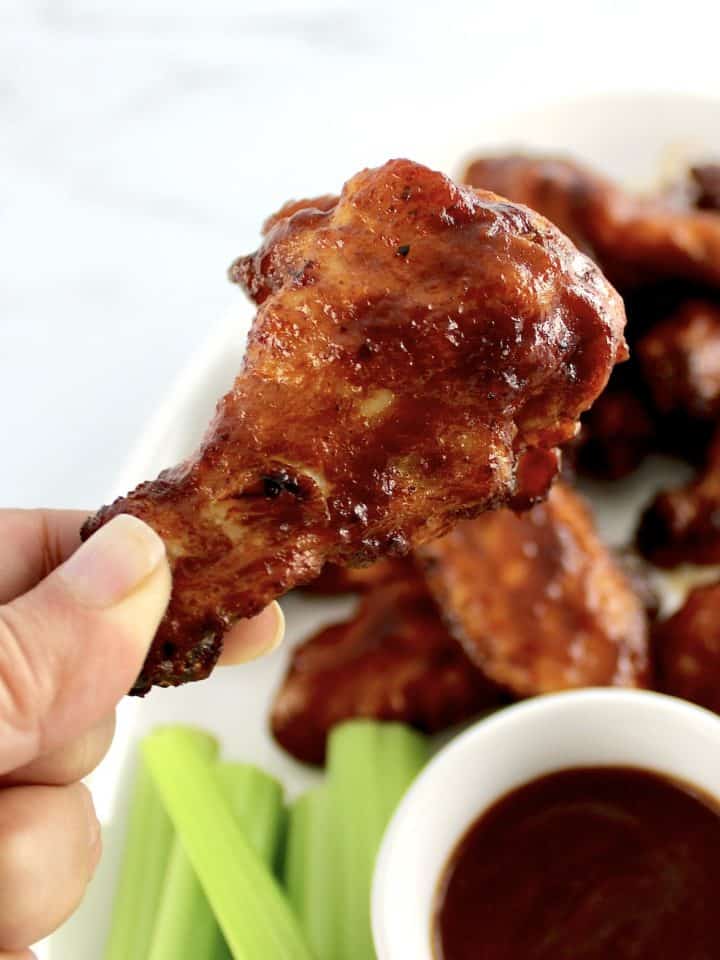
column 370, row 766
column 222, row 951
column 310, row 871
column 186, row 925
column 256, row 799
column 253, row 914
column 147, row 849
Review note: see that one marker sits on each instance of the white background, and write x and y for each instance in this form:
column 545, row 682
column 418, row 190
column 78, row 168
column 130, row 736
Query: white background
column 142, row 142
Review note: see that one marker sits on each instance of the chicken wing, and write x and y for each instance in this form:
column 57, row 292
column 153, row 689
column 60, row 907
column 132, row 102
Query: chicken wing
column 687, row 648
column 663, row 252
column 682, row 525
column 414, row 342
column 635, row 239
column 617, row 434
column 680, row 361
column 394, row 660
column 334, row 579
column 538, row 601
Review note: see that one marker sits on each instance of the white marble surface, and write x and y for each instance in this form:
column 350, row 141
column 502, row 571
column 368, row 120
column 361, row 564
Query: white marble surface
column 143, row 141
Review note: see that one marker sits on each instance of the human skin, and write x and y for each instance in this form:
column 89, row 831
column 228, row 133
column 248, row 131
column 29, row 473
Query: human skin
column 75, row 625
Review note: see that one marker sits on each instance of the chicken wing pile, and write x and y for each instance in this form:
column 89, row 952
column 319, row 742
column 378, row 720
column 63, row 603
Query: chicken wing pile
column 635, row 239
column 663, row 253
column 535, row 600
column 419, row 351
column 393, row 660
column 504, row 606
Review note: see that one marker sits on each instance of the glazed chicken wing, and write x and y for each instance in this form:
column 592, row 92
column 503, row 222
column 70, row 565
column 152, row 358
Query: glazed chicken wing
column 680, row 361
column 663, row 251
column 617, row 433
column 635, row 239
column 414, row 343
column 538, row 601
column 557, row 187
column 334, row 579
column 534, row 475
column 394, row 660
column 687, row 647
column 682, row 525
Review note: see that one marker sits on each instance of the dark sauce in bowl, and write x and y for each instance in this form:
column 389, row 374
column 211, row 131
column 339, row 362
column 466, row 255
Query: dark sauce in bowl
column 602, row 863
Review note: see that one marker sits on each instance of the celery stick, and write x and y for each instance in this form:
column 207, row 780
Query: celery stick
column 254, row 916
column 186, row 926
column 370, row 766
column 147, row 848
column 222, row 951
column 402, row 755
column 310, row 871
column 256, row 799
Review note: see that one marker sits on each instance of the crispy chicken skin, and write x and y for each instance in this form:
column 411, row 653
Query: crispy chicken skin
column 680, row 361
column 538, row 601
column 535, row 473
column 682, row 525
column 414, row 341
column 635, row 239
column 687, row 649
column 394, row 660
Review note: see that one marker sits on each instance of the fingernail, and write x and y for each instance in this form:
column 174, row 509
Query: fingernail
column 250, row 639
column 279, row 635
column 265, row 633
column 113, row 562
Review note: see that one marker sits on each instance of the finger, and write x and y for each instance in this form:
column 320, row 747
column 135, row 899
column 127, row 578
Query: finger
column 68, row 763
column 250, row 639
column 49, row 847
column 72, row 646
column 34, row 542
column 23, row 955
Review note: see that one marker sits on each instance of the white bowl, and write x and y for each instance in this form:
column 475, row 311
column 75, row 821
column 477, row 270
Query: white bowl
column 579, row 729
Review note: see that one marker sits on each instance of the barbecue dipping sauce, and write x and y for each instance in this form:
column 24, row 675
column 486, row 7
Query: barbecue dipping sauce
column 586, row 864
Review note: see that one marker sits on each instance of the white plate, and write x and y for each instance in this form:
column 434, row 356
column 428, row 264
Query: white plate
column 631, row 137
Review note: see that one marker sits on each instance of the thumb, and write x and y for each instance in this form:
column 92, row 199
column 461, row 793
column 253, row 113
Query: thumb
column 72, row 646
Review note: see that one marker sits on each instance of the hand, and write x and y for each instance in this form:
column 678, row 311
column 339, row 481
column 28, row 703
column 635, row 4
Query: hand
column 75, row 624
